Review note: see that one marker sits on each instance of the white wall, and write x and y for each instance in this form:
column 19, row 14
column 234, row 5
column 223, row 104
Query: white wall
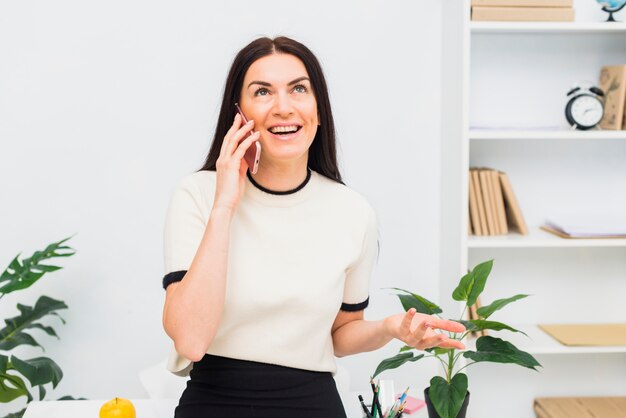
column 105, row 106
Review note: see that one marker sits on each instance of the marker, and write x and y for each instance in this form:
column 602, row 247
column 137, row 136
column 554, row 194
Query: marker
column 367, row 413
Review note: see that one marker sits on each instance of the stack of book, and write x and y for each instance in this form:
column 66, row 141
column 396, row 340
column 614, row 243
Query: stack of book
column 613, row 84
column 523, row 10
column 493, row 207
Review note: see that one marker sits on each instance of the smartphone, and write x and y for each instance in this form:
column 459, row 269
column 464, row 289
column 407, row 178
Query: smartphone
column 253, row 153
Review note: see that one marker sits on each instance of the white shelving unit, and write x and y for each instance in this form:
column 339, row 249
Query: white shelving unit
column 537, row 342
column 507, row 74
column 542, row 28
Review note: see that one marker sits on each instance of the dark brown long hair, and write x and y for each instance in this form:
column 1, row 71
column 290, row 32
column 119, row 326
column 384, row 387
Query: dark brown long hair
column 323, row 151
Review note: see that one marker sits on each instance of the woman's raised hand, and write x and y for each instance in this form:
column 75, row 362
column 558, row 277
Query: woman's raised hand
column 231, row 167
column 417, row 330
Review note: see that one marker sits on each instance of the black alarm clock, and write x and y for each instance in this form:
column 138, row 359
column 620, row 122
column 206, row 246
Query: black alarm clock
column 585, row 107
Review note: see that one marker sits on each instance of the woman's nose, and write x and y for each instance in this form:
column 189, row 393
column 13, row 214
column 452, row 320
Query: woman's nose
column 282, row 105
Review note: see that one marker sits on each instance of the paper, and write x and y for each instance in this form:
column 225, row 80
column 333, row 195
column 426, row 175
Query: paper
column 589, row 226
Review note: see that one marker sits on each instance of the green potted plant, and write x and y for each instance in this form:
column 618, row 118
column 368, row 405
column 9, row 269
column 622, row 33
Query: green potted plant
column 448, row 396
column 38, row 371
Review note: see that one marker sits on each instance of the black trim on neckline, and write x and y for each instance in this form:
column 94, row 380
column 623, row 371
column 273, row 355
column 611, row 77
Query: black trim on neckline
column 292, row 191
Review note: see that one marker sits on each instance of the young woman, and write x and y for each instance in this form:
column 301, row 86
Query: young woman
column 267, row 274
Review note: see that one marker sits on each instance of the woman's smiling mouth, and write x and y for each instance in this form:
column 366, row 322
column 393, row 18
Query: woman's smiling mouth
column 285, row 132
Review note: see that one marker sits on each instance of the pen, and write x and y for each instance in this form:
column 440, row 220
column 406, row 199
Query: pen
column 367, row 413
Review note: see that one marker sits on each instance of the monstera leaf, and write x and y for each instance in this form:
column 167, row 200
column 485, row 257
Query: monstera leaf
column 13, row 335
column 21, row 275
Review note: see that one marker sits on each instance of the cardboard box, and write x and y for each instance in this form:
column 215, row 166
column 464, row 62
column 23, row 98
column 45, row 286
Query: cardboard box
column 523, row 14
column 524, row 3
column 613, row 84
column 581, row 407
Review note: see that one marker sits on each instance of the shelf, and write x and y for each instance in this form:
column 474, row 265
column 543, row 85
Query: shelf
column 538, row 342
column 542, row 134
column 548, row 27
column 538, row 238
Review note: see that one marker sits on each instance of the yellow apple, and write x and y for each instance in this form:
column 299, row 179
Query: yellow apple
column 118, row 408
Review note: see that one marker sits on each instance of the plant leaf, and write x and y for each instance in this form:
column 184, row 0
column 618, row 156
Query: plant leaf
column 461, row 293
column 496, row 350
column 38, row 371
column 21, row 275
column 448, row 398
column 473, row 283
column 486, row 311
column 439, row 351
column 18, row 414
column 13, row 335
column 480, row 324
column 407, row 348
column 396, row 361
column 480, row 273
column 467, row 324
column 12, row 387
column 421, row 304
column 4, row 363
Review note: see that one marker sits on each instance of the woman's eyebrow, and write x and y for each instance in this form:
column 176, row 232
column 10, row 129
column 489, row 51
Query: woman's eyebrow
column 297, row 80
column 266, row 84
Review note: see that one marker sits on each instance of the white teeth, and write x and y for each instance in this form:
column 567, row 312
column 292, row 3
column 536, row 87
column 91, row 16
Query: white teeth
column 291, row 128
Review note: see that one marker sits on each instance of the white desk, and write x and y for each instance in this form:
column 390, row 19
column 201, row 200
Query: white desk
column 151, row 408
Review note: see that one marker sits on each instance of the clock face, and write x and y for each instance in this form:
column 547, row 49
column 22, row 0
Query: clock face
column 586, row 110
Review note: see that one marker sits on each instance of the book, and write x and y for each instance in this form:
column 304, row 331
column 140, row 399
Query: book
column 524, row 3
column 479, row 202
column 613, row 84
column 495, row 179
column 580, row 407
column 512, row 208
column 486, row 191
column 613, row 334
column 523, row 14
column 604, row 226
column 473, row 208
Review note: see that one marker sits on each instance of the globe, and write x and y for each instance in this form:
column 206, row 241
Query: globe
column 611, row 6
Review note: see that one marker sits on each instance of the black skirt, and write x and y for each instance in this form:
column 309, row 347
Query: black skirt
column 222, row 387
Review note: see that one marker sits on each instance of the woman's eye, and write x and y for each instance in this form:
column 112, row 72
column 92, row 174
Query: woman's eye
column 261, row 92
column 300, row 89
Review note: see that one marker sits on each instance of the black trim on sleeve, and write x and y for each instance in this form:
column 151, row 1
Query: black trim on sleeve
column 355, row 307
column 175, row 276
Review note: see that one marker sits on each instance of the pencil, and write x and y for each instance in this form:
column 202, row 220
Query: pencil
column 376, row 401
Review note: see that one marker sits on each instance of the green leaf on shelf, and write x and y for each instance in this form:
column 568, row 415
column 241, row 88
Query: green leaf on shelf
column 396, row 361
column 448, row 398
column 486, row 311
column 496, row 350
